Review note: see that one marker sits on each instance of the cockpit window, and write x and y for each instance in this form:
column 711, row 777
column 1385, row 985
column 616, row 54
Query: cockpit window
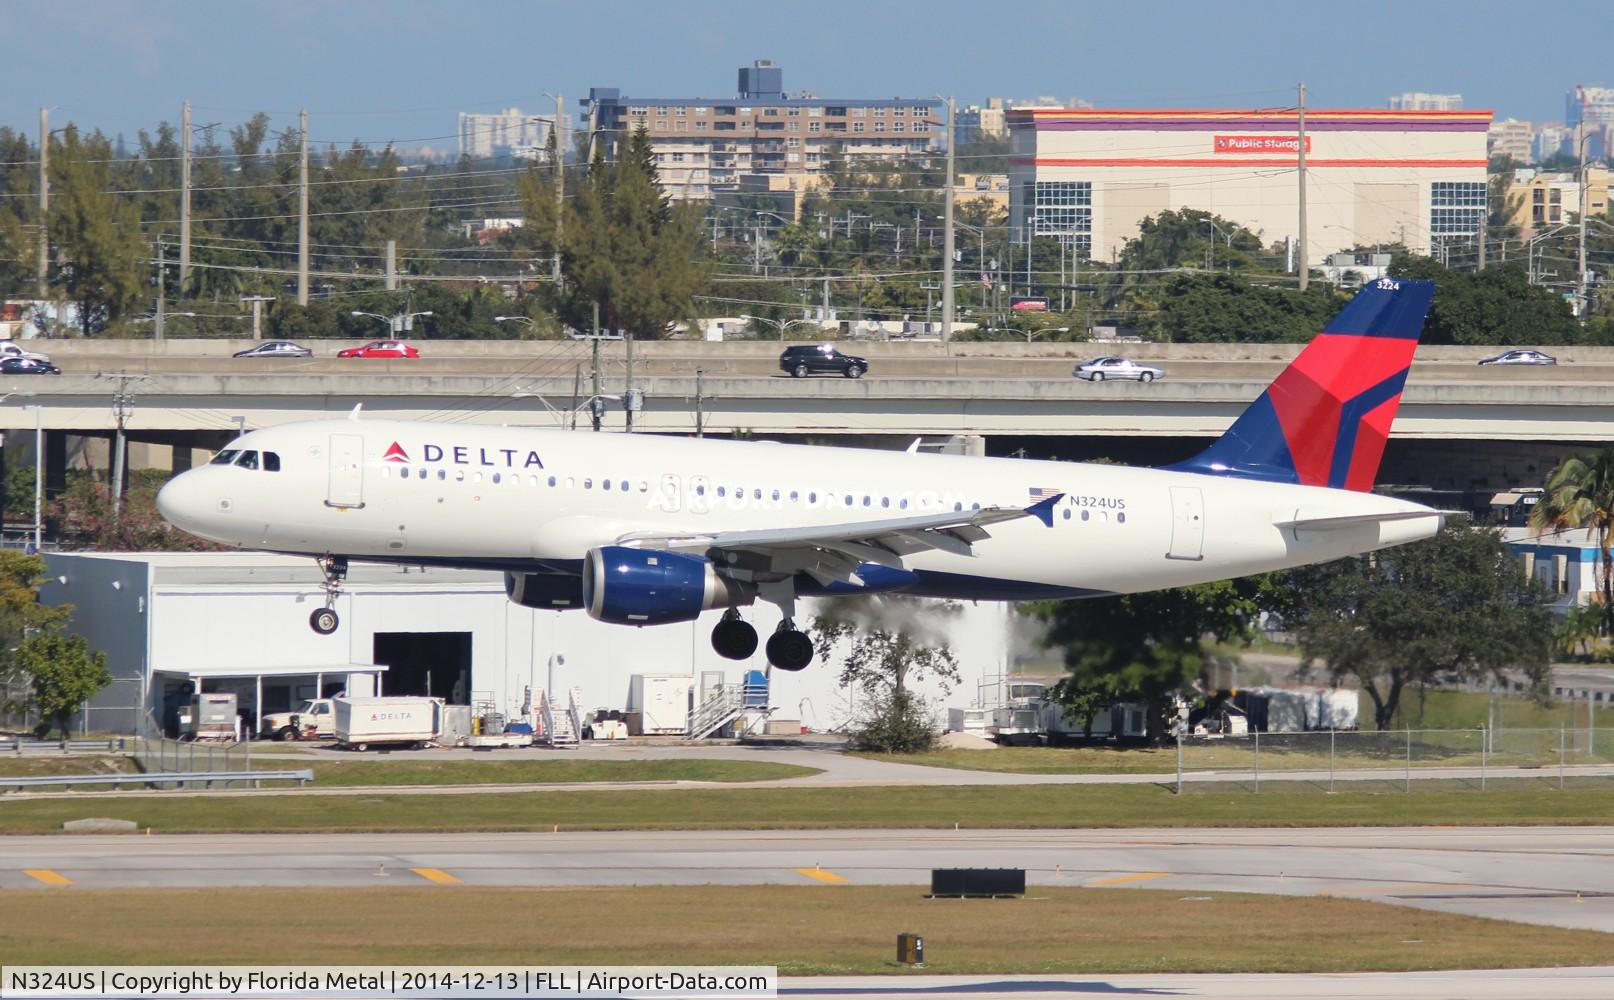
column 248, row 460
column 224, row 457
column 271, row 462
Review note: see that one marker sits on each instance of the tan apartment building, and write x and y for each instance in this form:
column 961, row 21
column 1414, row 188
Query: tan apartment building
column 1513, row 138
column 1546, row 199
column 707, row 145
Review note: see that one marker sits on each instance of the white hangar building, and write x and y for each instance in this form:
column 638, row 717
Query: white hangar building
column 231, row 621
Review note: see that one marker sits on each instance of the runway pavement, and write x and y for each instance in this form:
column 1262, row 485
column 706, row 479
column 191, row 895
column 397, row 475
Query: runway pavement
column 1509, row 984
column 1558, row 876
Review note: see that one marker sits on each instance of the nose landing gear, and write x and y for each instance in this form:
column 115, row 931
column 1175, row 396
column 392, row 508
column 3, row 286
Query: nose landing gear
column 734, row 638
column 789, row 648
column 325, row 620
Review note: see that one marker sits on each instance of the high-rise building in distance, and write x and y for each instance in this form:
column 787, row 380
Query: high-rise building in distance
column 508, row 133
column 1417, row 100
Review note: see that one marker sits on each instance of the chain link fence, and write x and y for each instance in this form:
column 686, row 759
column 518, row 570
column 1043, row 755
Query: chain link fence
column 1408, row 754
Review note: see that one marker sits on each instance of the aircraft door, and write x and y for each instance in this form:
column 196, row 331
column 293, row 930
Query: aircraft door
column 1187, row 523
column 699, row 495
column 345, row 487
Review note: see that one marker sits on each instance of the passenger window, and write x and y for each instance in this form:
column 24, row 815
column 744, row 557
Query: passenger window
column 605, row 484
column 403, row 473
column 224, row 457
column 459, row 475
column 271, row 462
column 588, row 484
column 623, row 485
column 248, row 460
column 551, row 480
column 495, row 479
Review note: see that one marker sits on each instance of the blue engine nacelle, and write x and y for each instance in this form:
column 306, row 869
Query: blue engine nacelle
column 544, row 591
column 649, row 587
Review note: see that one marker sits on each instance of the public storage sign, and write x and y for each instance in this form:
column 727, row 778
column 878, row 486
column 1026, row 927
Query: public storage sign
column 1258, row 144
column 151, row 982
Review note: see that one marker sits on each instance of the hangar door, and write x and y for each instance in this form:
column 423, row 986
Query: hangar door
column 426, row 663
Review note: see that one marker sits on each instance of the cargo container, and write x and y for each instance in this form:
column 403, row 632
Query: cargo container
column 362, row 723
column 662, row 701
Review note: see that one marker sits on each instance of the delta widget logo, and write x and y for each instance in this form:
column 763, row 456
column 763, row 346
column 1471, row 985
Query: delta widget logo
column 395, row 454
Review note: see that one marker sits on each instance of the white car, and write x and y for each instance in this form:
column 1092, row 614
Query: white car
column 1521, row 358
column 10, row 349
column 1114, row 367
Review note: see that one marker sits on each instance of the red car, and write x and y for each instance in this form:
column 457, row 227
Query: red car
column 381, row 349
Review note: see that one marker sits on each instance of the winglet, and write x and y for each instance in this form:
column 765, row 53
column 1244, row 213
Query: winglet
column 355, row 414
column 1043, row 510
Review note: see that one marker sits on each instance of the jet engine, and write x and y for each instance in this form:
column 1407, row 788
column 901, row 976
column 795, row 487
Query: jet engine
column 544, row 591
column 627, row 586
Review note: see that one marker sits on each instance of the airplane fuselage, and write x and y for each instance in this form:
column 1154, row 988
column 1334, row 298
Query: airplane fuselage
column 525, row 499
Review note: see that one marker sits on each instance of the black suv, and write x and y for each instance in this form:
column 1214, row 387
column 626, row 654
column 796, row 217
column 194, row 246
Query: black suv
column 815, row 359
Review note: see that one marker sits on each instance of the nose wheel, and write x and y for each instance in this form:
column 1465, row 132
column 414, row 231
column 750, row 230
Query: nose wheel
column 733, row 638
column 789, row 648
column 325, row 620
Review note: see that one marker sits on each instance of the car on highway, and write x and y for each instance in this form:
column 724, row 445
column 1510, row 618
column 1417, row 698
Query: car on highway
column 27, row 366
column 1112, row 366
column 11, row 349
column 381, row 349
column 275, row 349
column 802, row 360
column 1520, row 358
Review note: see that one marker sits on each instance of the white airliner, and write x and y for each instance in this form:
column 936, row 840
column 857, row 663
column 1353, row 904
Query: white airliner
column 643, row 530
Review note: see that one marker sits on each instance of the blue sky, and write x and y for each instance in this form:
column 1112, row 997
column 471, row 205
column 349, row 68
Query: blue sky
column 381, row 70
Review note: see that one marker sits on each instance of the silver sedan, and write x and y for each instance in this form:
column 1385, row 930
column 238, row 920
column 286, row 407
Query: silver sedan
column 1114, row 367
column 1521, row 358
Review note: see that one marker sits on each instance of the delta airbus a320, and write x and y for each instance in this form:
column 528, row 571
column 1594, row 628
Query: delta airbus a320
column 645, row 530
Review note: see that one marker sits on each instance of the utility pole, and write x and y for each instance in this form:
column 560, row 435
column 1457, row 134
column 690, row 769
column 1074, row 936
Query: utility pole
column 302, row 209
column 560, row 185
column 122, row 404
column 1580, row 294
column 157, row 320
column 596, row 404
column 699, row 397
column 627, row 392
column 257, row 311
column 392, row 265
column 184, row 198
column 947, row 239
column 44, row 203
column 1303, row 260
column 824, row 317
column 756, row 249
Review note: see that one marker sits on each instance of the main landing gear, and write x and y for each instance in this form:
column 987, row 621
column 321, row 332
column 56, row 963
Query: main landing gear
column 733, row 638
column 325, row 620
column 788, row 648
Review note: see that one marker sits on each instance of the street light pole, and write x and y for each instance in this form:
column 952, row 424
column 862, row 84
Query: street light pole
column 1580, row 294
column 948, row 237
column 39, row 472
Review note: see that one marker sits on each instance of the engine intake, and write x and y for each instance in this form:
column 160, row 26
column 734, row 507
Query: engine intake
column 544, row 591
column 648, row 587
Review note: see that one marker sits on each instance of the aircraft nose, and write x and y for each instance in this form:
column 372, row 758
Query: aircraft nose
column 181, row 501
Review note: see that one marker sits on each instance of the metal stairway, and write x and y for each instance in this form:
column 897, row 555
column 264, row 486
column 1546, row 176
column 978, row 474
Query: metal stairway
column 561, row 725
column 725, row 704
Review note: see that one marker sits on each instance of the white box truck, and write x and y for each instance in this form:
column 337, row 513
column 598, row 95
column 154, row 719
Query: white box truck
column 362, row 723
column 663, row 701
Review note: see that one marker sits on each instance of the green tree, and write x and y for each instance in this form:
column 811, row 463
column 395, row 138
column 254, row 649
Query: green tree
column 1456, row 607
column 1580, row 494
column 1498, row 305
column 623, row 245
column 1194, row 239
column 95, row 235
column 1150, row 647
column 62, row 672
column 1579, row 628
column 889, row 642
column 21, row 615
column 1201, row 308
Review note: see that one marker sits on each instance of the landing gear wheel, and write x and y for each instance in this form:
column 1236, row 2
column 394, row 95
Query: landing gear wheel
column 324, row 620
column 334, row 570
column 789, row 648
column 734, row 639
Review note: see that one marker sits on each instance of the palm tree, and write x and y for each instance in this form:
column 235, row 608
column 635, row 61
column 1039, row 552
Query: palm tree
column 1580, row 494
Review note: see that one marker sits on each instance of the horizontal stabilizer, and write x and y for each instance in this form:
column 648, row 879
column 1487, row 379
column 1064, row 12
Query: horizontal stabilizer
column 1330, row 522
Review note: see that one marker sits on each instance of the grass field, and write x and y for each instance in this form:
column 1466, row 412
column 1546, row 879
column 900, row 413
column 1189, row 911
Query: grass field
column 802, row 930
column 49, row 766
column 1520, row 801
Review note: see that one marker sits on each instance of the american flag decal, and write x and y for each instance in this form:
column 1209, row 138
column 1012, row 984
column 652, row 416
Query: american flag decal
column 1037, row 494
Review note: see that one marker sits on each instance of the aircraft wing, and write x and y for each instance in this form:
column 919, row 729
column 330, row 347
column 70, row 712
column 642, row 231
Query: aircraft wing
column 832, row 552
